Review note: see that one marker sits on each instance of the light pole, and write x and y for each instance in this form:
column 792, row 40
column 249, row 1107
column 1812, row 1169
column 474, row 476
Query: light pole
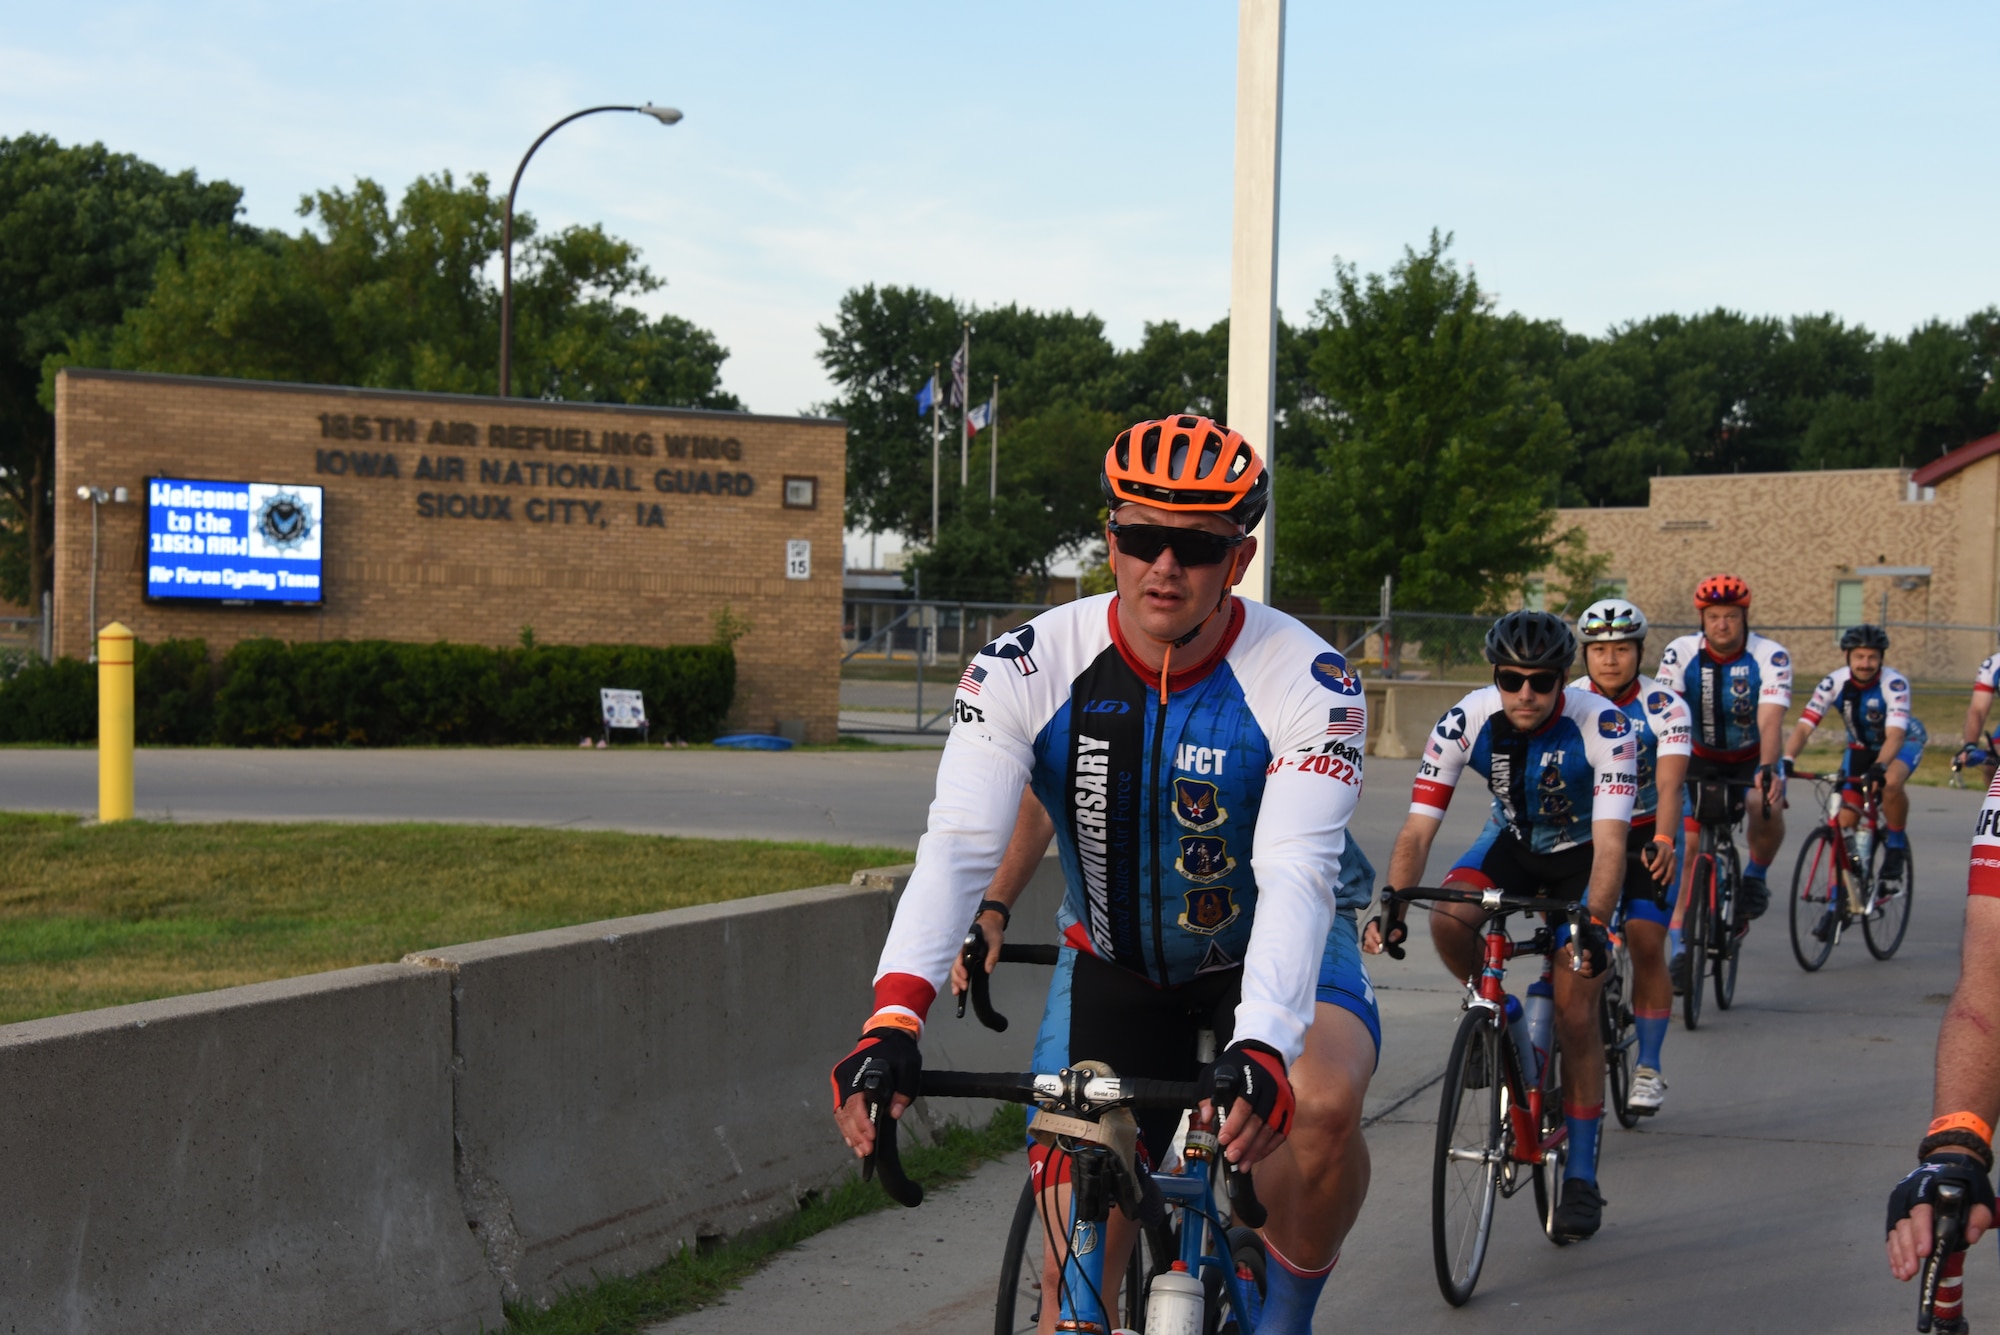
column 664, row 115
column 98, row 498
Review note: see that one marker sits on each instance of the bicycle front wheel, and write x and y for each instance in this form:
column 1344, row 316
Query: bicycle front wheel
column 1816, row 898
column 1548, row 1171
column 1620, row 1036
column 1471, row 1151
column 1728, row 941
column 1889, row 917
column 1694, row 936
column 1019, row 1305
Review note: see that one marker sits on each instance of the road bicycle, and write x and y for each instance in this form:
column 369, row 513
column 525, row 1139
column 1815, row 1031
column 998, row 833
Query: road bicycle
column 1084, row 1112
column 1621, row 1031
column 1709, row 932
column 1494, row 1134
column 1838, row 880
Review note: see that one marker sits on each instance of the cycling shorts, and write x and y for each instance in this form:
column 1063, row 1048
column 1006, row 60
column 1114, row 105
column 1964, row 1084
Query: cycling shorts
column 1911, row 753
column 1639, row 905
column 1499, row 860
column 1101, row 1012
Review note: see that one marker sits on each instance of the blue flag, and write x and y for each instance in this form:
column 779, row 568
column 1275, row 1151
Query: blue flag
column 925, row 397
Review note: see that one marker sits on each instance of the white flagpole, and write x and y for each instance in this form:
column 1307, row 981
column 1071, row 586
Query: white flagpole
column 937, row 392
column 993, row 447
column 965, row 414
column 1253, row 270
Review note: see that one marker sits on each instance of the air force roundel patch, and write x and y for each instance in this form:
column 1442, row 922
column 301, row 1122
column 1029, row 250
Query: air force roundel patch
column 1613, row 723
column 1779, row 658
column 1014, row 645
column 1331, row 671
column 1659, row 702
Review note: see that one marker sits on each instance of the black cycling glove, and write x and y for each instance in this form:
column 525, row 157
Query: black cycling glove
column 1594, row 939
column 889, row 1053
column 1255, row 1073
column 1878, row 774
column 1392, row 926
column 1920, row 1187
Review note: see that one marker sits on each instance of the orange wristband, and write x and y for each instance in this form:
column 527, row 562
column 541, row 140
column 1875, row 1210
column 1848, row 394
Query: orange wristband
column 895, row 1020
column 1963, row 1121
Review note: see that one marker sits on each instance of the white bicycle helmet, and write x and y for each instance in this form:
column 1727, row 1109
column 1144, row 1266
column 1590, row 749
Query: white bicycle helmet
column 1610, row 620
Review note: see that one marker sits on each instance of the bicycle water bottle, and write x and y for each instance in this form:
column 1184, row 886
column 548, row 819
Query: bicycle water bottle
column 1524, row 1046
column 1174, row 1303
column 1540, row 1009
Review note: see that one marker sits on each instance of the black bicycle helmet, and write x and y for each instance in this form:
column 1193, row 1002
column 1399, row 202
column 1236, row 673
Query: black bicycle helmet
column 1864, row 637
column 1531, row 640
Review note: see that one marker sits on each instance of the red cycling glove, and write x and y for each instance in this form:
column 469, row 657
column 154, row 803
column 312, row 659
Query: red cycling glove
column 890, row 1052
column 1255, row 1073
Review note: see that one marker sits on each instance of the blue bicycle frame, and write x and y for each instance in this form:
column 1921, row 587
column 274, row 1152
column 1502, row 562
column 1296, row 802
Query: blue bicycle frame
column 1192, row 1192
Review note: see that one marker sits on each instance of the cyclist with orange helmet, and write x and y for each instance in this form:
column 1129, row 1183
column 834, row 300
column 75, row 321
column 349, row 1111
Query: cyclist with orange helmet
column 1738, row 686
column 1200, row 756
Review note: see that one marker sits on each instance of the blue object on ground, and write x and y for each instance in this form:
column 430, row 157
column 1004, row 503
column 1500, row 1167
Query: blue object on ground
column 755, row 741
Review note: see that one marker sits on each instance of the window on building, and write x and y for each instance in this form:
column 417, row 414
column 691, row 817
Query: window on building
column 1535, row 595
column 1847, row 608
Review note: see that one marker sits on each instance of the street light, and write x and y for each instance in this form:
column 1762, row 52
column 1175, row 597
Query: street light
column 664, row 115
column 98, row 498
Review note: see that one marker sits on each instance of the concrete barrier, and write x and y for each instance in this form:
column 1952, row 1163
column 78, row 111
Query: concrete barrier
column 269, row 1159
column 628, row 1087
column 1401, row 713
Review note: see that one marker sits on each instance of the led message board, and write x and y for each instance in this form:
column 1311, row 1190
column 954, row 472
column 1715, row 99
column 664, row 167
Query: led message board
column 248, row 542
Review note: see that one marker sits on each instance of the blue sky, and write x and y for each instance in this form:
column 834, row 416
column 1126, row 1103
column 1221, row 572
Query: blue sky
column 1597, row 162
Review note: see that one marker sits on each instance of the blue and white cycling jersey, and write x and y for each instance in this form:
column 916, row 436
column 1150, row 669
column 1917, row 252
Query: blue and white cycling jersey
column 1547, row 785
column 1987, row 679
column 1198, row 832
column 1664, row 728
column 1723, row 694
column 1870, row 711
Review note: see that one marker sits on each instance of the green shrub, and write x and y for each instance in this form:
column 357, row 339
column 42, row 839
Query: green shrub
column 376, row 693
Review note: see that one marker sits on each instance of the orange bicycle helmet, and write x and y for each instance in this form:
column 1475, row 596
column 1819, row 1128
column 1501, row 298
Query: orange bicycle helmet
column 1187, row 463
column 1721, row 591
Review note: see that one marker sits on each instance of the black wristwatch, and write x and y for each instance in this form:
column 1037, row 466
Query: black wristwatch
column 994, row 906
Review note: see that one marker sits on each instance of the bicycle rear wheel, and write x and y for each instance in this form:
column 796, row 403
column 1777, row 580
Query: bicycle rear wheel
column 1883, row 928
column 1728, row 941
column 1620, row 1036
column 1470, row 1153
column 1816, row 898
column 1694, row 935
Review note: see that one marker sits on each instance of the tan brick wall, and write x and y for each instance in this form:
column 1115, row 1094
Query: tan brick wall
column 390, row 573
column 1793, row 536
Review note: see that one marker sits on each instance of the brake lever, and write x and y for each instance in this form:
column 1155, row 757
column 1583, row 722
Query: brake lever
column 886, row 1158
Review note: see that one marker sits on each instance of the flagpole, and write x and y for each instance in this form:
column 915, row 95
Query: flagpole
column 965, row 411
column 993, row 450
column 936, row 393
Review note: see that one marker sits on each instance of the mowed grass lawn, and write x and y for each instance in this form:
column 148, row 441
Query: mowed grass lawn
column 96, row 915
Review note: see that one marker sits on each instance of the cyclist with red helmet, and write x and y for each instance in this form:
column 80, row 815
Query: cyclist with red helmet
column 1738, row 686
column 1200, row 757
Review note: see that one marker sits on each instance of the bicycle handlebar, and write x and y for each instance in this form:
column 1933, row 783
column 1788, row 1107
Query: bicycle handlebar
column 1094, row 1092
column 1948, row 1221
column 978, row 985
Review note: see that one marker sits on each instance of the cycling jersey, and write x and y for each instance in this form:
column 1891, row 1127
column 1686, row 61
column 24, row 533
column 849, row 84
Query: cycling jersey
column 1548, row 785
column 1664, row 729
column 1723, row 694
column 1987, row 679
column 1870, row 711
column 1202, row 833
column 1985, row 874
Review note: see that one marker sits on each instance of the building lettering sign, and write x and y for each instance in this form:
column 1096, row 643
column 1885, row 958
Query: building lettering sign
column 518, row 469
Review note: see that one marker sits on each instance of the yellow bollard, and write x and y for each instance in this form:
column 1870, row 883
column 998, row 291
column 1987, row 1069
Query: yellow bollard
column 114, row 723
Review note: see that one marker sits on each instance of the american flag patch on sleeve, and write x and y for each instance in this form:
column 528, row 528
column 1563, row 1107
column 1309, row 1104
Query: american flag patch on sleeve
column 1345, row 720
column 974, row 674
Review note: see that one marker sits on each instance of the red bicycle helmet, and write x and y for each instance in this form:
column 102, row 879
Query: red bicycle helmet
column 1721, row 591
column 1187, row 463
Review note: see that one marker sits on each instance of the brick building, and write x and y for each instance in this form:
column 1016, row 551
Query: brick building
column 450, row 517
column 1823, row 550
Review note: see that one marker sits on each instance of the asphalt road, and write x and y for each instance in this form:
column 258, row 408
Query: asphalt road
column 1752, row 1203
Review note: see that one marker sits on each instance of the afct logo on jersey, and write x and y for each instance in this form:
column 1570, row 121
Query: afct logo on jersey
column 1331, row 671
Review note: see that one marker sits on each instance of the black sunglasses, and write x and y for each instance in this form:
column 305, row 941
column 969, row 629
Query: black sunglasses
column 1192, row 546
column 1542, row 683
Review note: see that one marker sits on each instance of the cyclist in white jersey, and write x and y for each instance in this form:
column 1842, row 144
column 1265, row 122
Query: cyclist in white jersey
column 1613, row 633
column 1975, row 752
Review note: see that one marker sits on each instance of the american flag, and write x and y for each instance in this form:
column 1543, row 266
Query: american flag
column 1345, row 720
column 974, row 674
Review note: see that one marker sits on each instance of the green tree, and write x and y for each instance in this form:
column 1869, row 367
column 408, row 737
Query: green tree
column 1443, row 445
column 399, row 297
column 82, row 230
